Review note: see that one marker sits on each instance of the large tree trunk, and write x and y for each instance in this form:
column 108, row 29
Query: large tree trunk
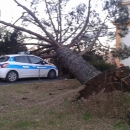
column 82, row 70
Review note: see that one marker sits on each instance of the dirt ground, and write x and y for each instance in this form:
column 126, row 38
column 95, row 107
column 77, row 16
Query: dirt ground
column 51, row 106
column 108, row 81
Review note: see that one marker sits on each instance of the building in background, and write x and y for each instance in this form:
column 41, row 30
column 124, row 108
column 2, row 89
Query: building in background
column 125, row 40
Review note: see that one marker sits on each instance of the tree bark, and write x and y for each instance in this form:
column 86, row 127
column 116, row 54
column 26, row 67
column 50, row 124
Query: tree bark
column 81, row 69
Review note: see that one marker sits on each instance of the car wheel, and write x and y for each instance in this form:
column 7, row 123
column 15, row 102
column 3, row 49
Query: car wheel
column 52, row 74
column 12, row 76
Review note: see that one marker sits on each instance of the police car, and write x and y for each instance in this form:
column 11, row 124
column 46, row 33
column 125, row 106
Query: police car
column 15, row 66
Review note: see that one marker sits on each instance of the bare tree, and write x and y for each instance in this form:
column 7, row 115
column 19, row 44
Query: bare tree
column 60, row 31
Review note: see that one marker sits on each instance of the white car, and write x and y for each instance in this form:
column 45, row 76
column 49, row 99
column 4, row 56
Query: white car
column 15, row 66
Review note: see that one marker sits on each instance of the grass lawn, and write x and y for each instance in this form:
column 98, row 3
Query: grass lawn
column 50, row 106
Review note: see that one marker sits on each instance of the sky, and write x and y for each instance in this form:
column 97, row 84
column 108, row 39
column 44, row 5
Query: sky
column 10, row 12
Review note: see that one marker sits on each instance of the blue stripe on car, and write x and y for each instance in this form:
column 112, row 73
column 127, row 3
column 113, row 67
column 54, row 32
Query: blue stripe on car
column 29, row 67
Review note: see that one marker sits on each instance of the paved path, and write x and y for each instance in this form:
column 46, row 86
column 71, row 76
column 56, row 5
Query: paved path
column 29, row 80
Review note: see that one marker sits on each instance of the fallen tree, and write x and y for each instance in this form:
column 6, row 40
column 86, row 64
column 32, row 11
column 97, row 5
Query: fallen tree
column 64, row 33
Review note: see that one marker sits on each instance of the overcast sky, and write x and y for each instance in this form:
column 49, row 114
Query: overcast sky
column 10, row 12
column 9, row 8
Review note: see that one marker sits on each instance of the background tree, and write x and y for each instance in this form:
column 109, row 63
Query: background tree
column 11, row 42
column 122, row 53
column 61, row 30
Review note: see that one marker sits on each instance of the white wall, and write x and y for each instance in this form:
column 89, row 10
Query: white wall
column 126, row 40
column 126, row 0
column 126, row 62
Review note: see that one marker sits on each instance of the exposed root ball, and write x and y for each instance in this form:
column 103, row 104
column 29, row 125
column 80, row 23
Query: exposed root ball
column 108, row 81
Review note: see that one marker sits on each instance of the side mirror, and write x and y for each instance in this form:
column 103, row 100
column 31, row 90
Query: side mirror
column 43, row 62
column 40, row 62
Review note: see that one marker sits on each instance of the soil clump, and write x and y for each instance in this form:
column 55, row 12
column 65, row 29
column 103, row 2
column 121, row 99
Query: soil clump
column 108, row 81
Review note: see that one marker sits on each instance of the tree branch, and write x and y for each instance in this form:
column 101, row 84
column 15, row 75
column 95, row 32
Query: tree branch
column 48, row 56
column 46, row 51
column 27, row 38
column 38, row 44
column 51, row 19
column 31, row 21
column 85, row 25
column 60, row 24
column 94, row 41
column 27, row 31
column 92, row 44
column 104, row 46
column 72, row 33
column 39, row 49
column 54, row 43
column 19, row 18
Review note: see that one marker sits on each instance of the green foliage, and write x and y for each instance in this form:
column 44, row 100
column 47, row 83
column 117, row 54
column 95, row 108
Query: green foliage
column 121, row 125
column 87, row 116
column 123, row 52
column 102, row 66
column 10, row 43
column 92, row 57
column 24, row 124
column 120, row 14
column 97, row 61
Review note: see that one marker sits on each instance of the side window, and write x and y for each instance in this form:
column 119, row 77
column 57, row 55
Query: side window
column 4, row 58
column 22, row 59
column 34, row 60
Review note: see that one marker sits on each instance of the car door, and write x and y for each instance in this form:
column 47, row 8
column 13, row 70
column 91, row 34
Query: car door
column 23, row 66
column 37, row 66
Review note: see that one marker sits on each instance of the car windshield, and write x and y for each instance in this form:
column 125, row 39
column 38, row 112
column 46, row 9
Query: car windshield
column 4, row 58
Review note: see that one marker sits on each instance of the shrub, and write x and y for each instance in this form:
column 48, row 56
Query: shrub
column 102, row 66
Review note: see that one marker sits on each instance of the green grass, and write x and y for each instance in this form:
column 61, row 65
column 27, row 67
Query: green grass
column 87, row 116
column 32, row 107
column 121, row 125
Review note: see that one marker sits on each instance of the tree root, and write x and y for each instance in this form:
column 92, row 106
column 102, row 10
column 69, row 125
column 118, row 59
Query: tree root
column 108, row 81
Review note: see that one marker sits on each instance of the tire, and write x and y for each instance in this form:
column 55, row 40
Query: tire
column 12, row 76
column 52, row 74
